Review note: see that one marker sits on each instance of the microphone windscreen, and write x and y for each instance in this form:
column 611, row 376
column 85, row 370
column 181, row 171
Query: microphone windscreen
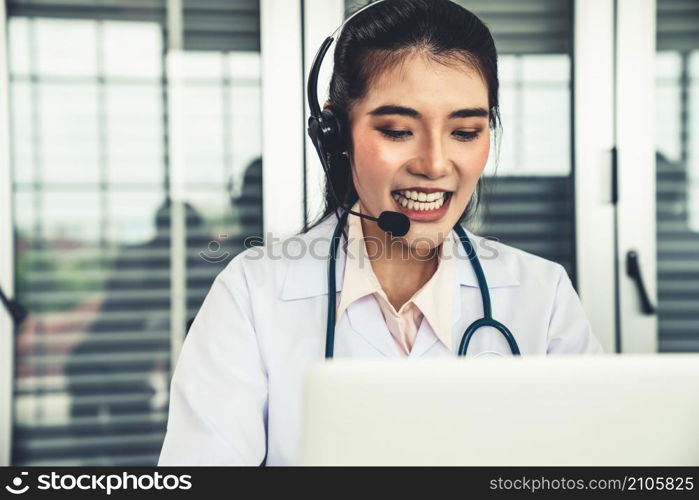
column 395, row 223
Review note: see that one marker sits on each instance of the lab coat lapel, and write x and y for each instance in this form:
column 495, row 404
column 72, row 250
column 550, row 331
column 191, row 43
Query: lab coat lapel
column 467, row 303
column 366, row 320
column 425, row 339
column 496, row 274
column 307, row 275
column 307, row 279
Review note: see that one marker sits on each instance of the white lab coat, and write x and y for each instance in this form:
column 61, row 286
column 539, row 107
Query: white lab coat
column 237, row 388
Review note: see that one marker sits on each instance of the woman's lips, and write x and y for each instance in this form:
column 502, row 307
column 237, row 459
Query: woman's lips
column 425, row 215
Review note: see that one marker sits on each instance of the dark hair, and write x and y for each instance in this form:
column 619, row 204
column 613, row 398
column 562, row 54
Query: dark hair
column 384, row 35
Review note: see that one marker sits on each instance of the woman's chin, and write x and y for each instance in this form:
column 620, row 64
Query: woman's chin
column 425, row 238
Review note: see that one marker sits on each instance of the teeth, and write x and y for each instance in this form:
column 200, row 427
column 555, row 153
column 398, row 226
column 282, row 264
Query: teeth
column 420, row 196
column 414, row 200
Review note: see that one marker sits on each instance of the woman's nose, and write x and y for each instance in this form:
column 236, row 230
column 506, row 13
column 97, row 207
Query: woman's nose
column 433, row 160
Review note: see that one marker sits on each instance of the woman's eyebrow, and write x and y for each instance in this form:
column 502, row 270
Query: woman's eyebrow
column 391, row 109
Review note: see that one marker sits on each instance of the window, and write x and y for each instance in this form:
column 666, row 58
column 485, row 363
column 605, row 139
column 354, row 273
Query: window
column 115, row 141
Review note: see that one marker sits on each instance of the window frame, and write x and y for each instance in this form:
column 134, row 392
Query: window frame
column 636, row 169
column 7, row 336
column 282, row 153
column 593, row 138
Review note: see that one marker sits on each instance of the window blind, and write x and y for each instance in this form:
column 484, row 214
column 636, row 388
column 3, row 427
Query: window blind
column 676, row 177
column 533, row 214
column 224, row 25
column 91, row 111
column 677, row 26
column 531, row 27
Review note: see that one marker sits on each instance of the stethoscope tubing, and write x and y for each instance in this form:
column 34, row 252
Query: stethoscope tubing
column 486, row 321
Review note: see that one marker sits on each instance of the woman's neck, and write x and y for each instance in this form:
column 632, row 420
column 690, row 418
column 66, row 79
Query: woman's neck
column 401, row 271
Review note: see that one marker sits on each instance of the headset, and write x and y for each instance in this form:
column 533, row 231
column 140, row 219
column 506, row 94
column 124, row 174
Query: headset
column 328, row 130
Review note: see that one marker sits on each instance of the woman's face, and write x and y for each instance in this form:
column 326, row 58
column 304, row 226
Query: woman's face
column 421, row 140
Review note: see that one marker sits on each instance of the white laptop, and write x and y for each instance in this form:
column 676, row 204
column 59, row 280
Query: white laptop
column 534, row 410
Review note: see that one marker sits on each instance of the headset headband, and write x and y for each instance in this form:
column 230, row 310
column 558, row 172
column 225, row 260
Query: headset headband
column 312, row 89
column 327, row 130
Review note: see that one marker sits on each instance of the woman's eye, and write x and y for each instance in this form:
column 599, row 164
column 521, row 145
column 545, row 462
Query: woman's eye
column 399, row 135
column 465, row 135
column 395, row 135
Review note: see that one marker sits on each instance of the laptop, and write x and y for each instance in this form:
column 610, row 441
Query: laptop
column 570, row 410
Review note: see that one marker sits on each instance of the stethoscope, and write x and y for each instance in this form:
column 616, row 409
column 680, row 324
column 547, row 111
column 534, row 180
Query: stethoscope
column 486, row 320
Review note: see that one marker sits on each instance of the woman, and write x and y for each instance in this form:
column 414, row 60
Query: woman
column 415, row 82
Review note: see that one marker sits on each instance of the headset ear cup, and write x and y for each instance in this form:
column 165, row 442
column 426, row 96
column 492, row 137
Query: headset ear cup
column 332, row 131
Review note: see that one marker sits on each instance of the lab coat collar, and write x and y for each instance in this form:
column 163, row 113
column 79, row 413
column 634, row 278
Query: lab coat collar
column 307, row 274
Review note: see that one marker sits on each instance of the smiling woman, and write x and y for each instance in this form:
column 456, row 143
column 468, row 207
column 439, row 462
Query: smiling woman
column 406, row 131
column 419, row 101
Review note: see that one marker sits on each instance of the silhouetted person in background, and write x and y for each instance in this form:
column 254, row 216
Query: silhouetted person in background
column 118, row 374
column 114, row 371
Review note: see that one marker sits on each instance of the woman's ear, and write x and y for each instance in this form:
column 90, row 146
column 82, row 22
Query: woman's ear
column 326, row 105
